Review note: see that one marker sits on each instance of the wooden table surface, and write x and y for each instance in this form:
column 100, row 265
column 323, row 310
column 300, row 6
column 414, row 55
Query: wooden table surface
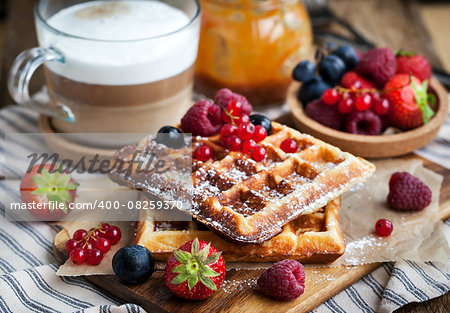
column 422, row 27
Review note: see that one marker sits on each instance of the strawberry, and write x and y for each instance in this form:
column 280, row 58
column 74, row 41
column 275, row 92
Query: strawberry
column 409, row 102
column 352, row 79
column 44, row 183
column 412, row 63
column 194, row 271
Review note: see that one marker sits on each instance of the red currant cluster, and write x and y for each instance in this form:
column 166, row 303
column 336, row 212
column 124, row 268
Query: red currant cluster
column 91, row 245
column 360, row 99
column 238, row 134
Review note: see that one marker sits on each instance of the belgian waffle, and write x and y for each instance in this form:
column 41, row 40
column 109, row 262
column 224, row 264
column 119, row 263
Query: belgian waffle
column 311, row 238
column 250, row 202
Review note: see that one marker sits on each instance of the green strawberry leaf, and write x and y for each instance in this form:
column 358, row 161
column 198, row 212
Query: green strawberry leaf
column 39, row 180
column 192, row 281
column 180, row 278
column 65, row 196
column 46, row 175
column 212, row 258
column 204, row 252
column 72, row 186
column 64, row 180
column 421, row 97
column 208, row 282
column 405, row 53
column 195, row 247
column 209, row 272
column 40, row 191
column 181, row 256
column 179, row 269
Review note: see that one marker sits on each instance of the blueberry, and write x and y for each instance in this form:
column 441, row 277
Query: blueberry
column 330, row 46
column 348, row 55
column 258, row 119
column 133, row 264
column 332, row 68
column 173, row 139
column 312, row 90
column 304, row 71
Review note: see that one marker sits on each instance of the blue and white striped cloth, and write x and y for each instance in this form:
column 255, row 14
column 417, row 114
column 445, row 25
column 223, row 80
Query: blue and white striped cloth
column 28, row 281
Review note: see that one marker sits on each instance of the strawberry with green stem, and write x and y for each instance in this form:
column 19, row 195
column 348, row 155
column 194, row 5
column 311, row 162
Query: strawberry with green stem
column 45, row 183
column 410, row 105
column 194, row 271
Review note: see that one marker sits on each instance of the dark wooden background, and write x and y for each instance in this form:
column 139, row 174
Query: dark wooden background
column 393, row 23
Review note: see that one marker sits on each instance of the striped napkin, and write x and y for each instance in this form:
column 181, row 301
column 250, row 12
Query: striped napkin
column 28, row 282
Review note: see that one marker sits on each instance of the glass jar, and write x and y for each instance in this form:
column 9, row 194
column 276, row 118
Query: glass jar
column 251, row 47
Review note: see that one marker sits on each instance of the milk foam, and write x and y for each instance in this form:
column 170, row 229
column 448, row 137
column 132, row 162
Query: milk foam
column 129, row 42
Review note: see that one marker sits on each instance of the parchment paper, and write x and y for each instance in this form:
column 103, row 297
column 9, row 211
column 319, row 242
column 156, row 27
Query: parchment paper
column 417, row 236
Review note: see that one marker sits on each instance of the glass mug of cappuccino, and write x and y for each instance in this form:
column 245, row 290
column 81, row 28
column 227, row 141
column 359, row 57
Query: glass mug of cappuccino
column 111, row 66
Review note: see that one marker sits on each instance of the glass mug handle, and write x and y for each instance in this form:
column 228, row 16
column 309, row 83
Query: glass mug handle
column 20, row 75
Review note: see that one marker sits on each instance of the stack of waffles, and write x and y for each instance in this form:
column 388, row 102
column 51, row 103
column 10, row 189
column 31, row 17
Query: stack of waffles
column 286, row 206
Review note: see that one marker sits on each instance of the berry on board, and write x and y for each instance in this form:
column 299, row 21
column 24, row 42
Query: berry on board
column 408, row 193
column 285, row 280
column 195, row 271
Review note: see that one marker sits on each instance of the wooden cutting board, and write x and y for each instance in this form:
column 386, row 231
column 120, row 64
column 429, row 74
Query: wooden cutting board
column 238, row 294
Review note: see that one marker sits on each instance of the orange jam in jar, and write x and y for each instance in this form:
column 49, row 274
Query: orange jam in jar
column 251, row 47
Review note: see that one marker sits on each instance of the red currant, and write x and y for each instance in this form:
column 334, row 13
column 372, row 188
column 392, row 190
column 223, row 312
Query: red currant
column 113, row 234
column 246, row 131
column 103, row 245
column 86, row 246
column 92, row 239
column 234, row 143
column 260, row 133
column 289, row 146
column 94, row 256
column 93, row 232
column 259, row 154
column 345, row 105
column 363, row 102
column 383, row 227
column 79, row 234
column 71, row 244
column 248, row 146
column 227, row 131
column 330, row 96
column 78, row 256
column 242, row 119
column 381, row 106
column 234, row 107
column 105, row 226
column 202, row 153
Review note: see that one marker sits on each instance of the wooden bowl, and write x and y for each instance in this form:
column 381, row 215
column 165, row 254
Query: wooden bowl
column 372, row 146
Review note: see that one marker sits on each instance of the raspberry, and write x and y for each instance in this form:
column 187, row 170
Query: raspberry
column 202, row 119
column 378, row 64
column 225, row 95
column 407, row 192
column 284, row 280
column 363, row 123
column 325, row 114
